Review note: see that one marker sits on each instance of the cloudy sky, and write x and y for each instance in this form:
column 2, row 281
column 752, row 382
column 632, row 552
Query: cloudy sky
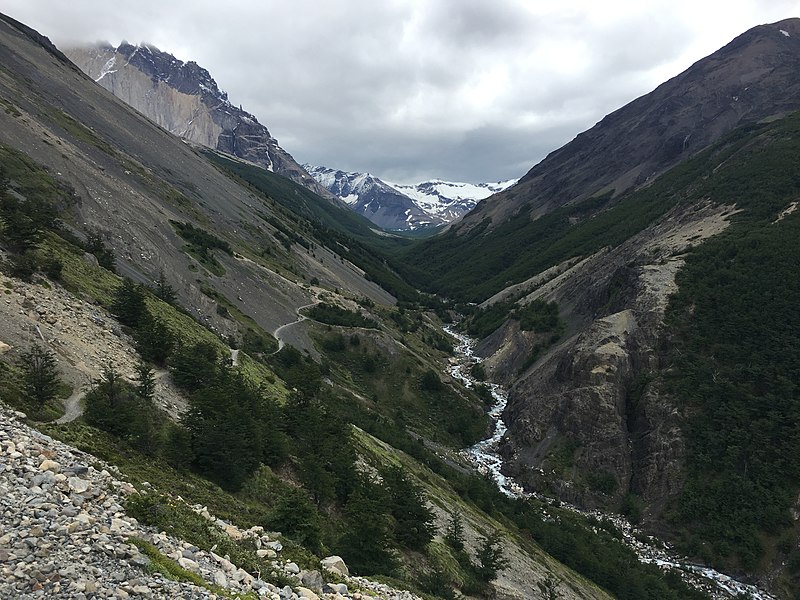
column 470, row 90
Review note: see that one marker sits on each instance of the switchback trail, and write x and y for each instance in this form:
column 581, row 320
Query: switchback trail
column 300, row 318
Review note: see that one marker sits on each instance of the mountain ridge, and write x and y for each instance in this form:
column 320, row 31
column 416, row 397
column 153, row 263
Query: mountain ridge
column 185, row 99
column 749, row 79
column 430, row 203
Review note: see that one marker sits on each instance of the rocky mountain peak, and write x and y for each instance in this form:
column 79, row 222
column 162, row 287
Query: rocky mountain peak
column 404, row 206
column 184, row 98
column 186, row 77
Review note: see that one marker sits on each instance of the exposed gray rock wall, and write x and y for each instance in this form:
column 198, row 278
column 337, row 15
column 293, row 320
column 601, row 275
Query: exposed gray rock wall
column 185, row 100
column 584, row 420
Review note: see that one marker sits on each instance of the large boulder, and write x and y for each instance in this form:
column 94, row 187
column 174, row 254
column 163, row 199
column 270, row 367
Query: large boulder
column 335, row 564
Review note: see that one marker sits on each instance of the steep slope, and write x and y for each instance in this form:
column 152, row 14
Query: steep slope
column 663, row 392
column 185, row 100
column 132, row 178
column 753, row 78
column 241, row 263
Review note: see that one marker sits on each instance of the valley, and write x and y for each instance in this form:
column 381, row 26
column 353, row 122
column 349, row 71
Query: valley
column 216, row 377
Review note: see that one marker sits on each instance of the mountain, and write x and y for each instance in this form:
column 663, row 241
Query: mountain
column 185, row 100
column 374, row 199
column 450, row 200
column 754, row 78
column 400, row 206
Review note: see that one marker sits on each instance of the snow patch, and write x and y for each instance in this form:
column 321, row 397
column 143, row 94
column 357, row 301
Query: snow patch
column 784, row 32
column 107, row 68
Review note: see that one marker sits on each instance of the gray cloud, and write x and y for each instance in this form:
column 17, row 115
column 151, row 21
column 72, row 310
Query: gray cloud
column 409, row 89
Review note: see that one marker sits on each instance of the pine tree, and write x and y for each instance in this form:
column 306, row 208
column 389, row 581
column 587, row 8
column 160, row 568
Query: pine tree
column 164, row 290
column 154, row 340
column 145, row 381
column 40, row 375
column 490, row 556
column 408, row 507
column 128, row 304
column 454, row 536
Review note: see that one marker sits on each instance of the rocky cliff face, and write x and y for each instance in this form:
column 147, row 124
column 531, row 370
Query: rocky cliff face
column 185, row 100
column 580, row 421
column 754, row 77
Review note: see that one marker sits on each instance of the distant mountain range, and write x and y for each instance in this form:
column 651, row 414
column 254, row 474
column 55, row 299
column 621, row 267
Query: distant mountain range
column 402, row 206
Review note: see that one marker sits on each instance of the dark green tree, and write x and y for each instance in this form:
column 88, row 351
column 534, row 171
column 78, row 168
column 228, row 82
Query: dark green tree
column 104, row 255
column 230, row 426
column 196, row 366
column 454, row 535
column 39, row 375
column 128, row 303
column 154, row 339
column 295, row 515
column 25, row 220
column 164, row 290
column 365, row 545
column 145, row 381
column 414, row 520
column 490, row 558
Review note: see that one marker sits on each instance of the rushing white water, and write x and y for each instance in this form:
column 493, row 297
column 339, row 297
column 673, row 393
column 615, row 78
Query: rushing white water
column 486, row 458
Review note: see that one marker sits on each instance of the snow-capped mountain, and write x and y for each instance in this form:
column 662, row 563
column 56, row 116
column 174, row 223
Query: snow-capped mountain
column 450, row 200
column 404, row 207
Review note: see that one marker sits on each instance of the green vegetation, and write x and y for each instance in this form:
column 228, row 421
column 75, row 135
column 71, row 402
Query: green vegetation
column 335, row 315
column 350, row 235
column 473, row 265
column 200, row 244
column 402, row 393
column 740, row 390
column 40, row 381
column 536, row 315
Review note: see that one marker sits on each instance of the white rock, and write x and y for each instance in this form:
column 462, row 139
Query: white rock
column 335, row 564
column 292, row 568
column 78, row 485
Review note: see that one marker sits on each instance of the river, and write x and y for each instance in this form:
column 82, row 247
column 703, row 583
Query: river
column 486, row 458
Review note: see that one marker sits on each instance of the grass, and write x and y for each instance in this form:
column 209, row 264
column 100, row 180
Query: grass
column 159, row 563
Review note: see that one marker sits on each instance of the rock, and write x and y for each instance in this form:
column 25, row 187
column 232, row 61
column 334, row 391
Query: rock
column 188, row 564
column 266, row 553
column 220, row 579
column 306, row 593
column 36, row 531
column 50, row 465
column 292, row 568
column 336, row 565
column 336, row 588
column 77, row 469
column 312, row 580
column 78, row 485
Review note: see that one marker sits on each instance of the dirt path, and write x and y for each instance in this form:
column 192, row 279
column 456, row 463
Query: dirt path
column 73, row 407
column 300, row 318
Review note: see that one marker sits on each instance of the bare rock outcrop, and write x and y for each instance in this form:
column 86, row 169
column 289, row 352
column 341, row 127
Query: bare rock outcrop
column 585, row 421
